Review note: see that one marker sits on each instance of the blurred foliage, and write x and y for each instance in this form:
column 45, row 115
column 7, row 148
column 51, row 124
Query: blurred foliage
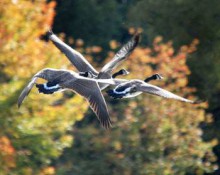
column 94, row 21
column 150, row 135
column 180, row 21
column 37, row 133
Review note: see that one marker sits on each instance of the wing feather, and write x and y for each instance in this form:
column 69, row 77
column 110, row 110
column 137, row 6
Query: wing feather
column 47, row 74
column 121, row 55
column 151, row 89
column 91, row 91
column 76, row 58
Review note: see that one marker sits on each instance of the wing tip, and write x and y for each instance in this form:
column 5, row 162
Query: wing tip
column 19, row 102
column 199, row 101
column 49, row 33
column 106, row 124
column 137, row 37
column 19, row 105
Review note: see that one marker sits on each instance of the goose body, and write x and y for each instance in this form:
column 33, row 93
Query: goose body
column 58, row 79
column 128, row 89
column 82, row 65
column 123, row 90
column 52, row 87
column 135, row 87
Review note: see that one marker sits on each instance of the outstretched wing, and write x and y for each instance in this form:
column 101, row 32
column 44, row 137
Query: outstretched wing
column 26, row 91
column 47, row 74
column 86, row 87
column 76, row 58
column 121, row 55
column 91, row 91
column 151, row 89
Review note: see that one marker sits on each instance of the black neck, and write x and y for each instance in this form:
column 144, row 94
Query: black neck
column 150, row 78
column 116, row 74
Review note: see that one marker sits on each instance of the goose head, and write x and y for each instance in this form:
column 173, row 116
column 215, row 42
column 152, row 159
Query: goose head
column 123, row 72
column 154, row 77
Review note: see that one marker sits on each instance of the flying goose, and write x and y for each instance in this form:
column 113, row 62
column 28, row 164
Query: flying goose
column 135, row 87
column 59, row 79
column 82, row 65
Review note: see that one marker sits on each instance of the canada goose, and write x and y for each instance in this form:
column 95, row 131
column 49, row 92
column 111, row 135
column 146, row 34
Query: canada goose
column 82, row 65
column 135, row 87
column 64, row 80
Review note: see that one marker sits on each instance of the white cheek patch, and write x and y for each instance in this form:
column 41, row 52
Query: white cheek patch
column 52, row 87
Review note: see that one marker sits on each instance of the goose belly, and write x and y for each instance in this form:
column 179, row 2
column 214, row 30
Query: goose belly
column 130, row 95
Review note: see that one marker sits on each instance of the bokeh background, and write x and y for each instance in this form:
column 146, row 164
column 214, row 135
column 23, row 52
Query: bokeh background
column 59, row 134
